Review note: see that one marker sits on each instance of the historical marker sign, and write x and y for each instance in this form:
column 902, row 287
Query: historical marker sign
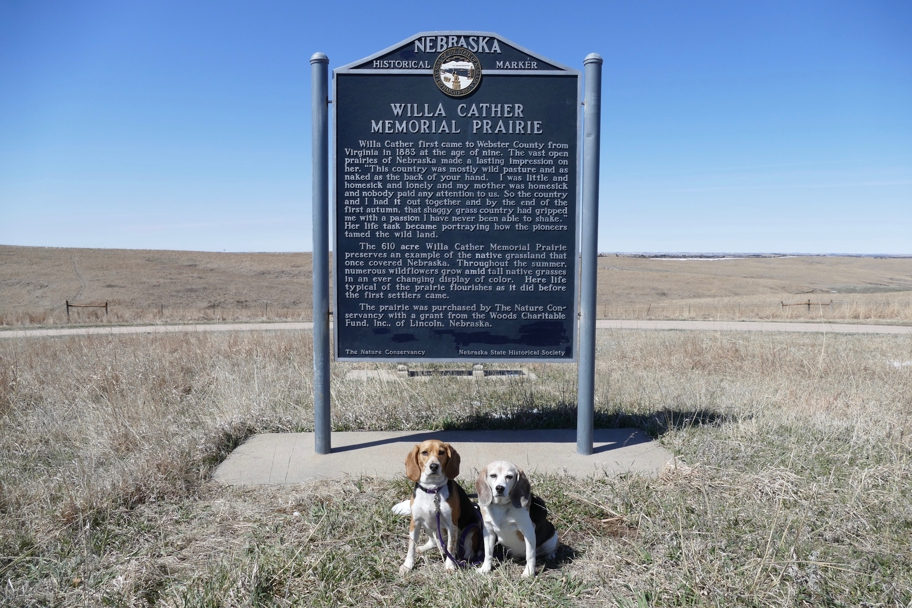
column 456, row 215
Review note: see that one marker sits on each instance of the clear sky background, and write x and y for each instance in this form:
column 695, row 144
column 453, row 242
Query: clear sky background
column 726, row 126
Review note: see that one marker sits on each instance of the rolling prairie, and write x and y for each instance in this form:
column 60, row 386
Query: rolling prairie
column 180, row 286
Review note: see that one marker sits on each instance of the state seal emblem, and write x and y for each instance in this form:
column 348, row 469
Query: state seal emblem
column 457, row 71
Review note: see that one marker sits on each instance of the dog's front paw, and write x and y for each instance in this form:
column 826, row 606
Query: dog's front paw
column 406, row 567
column 529, row 570
column 485, row 567
column 450, row 565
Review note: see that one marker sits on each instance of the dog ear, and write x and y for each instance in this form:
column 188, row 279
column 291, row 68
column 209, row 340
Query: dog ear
column 521, row 493
column 412, row 467
column 483, row 489
column 451, row 470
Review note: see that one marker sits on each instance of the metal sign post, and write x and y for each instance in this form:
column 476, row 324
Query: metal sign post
column 585, row 409
column 320, row 110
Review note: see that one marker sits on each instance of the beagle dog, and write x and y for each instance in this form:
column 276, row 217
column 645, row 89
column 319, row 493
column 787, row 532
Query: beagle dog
column 513, row 516
column 433, row 466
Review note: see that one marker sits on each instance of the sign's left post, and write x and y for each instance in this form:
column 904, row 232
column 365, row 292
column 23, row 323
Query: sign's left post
column 319, row 65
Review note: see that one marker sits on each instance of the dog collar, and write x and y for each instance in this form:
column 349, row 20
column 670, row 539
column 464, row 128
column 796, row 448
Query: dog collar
column 428, row 490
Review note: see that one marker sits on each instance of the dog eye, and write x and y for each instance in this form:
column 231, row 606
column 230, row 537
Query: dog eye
column 493, row 476
column 508, row 477
column 424, row 453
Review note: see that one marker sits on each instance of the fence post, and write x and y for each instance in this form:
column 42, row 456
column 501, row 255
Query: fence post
column 68, row 309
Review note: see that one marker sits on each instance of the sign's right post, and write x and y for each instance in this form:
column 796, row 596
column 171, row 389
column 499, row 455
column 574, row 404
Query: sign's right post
column 592, row 116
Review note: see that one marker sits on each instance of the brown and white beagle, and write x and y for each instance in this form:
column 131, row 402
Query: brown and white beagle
column 513, row 516
column 433, row 466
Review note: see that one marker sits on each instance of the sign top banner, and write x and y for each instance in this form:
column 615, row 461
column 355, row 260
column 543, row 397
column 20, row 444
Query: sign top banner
column 496, row 54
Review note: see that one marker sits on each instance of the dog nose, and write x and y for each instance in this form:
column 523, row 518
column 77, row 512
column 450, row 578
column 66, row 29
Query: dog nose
column 433, row 467
column 500, row 489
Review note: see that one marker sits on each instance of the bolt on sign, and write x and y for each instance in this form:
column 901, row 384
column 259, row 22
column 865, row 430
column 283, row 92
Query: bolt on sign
column 456, row 203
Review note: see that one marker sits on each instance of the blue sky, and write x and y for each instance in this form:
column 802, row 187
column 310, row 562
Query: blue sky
column 726, row 126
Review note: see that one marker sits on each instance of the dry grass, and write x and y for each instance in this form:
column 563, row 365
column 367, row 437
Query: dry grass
column 176, row 287
column 853, row 289
column 893, row 308
column 792, row 484
column 151, row 286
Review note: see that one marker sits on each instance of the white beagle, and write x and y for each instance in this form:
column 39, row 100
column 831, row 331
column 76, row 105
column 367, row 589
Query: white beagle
column 433, row 466
column 512, row 516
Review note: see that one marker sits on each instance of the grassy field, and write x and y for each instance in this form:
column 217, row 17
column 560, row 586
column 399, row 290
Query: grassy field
column 792, row 485
column 178, row 286
column 852, row 289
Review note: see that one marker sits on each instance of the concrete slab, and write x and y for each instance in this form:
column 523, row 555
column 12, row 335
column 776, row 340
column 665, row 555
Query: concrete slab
column 289, row 458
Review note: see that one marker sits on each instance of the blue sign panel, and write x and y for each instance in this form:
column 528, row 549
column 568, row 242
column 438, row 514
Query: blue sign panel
column 456, row 169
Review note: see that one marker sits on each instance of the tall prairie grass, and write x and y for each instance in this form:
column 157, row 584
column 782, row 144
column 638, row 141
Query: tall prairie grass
column 791, row 487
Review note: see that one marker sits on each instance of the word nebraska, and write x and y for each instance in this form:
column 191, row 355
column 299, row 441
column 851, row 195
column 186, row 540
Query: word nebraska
column 476, row 44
